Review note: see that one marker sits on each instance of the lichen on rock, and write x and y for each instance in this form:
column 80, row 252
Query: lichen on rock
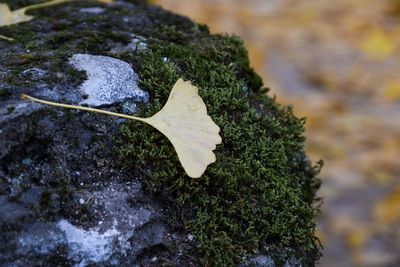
column 254, row 205
column 109, row 80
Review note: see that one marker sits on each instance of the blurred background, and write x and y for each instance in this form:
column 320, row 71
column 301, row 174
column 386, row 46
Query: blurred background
column 338, row 63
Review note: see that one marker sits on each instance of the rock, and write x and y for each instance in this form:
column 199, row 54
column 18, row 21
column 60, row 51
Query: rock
column 109, row 80
column 261, row 261
column 268, row 261
column 92, row 10
column 13, row 130
column 12, row 212
column 85, row 189
column 121, row 229
column 32, row 196
column 38, row 239
column 138, row 43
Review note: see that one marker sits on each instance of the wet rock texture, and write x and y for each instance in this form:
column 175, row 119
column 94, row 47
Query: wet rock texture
column 62, row 199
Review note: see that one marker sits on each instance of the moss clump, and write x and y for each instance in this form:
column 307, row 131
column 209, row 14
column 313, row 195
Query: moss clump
column 258, row 195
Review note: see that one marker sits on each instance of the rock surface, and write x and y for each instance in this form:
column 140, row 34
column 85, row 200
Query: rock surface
column 62, row 201
column 109, row 80
column 122, row 230
column 65, row 197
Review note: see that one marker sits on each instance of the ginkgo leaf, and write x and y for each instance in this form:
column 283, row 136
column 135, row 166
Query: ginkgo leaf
column 183, row 120
column 8, row 17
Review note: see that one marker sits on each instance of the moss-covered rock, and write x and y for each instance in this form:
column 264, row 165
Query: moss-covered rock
column 256, row 200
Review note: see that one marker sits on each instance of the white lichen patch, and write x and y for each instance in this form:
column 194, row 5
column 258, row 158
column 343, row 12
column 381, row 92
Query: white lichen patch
column 35, row 72
column 13, row 109
column 137, row 43
column 92, row 10
column 90, row 245
column 123, row 230
column 109, row 80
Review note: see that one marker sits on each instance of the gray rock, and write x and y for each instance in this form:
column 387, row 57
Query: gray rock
column 38, row 238
column 62, row 200
column 267, row 261
column 137, row 44
column 32, row 197
column 86, row 246
column 120, row 229
column 12, row 212
column 260, row 261
column 109, row 80
column 129, row 107
column 35, row 73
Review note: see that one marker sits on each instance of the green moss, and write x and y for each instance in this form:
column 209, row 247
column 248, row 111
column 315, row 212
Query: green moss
column 259, row 193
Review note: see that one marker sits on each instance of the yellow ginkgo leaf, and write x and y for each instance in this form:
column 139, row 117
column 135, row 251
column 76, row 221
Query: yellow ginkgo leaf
column 192, row 132
column 8, row 17
column 183, row 120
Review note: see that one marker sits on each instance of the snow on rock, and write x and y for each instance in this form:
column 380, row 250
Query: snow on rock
column 110, row 80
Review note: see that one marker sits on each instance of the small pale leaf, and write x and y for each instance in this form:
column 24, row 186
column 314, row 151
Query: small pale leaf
column 184, row 121
column 8, row 17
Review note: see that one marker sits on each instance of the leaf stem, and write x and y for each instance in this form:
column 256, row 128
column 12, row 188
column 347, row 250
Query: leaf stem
column 23, row 96
column 46, row 4
column 54, row 2
column 6, row 38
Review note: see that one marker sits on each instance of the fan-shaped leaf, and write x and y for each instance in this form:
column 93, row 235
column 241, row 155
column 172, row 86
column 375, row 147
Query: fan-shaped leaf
column 8, row 17
column 184, row 121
